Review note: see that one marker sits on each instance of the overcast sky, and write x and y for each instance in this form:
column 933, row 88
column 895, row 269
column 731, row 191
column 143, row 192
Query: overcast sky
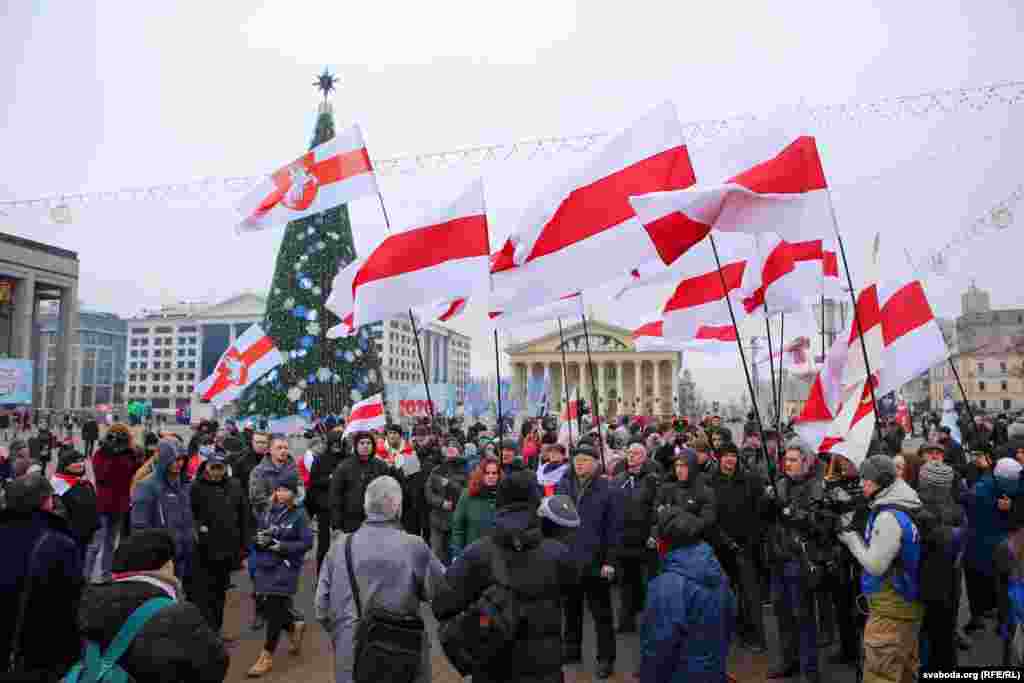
column 103, row 95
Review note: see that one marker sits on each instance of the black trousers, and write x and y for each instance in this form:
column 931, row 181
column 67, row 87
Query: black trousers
column 845, row 587
column 938, row 629
column 742, row 571
column 981, row 592
column 598, row 594
column 277, row 610
column 210, row 582
column 89, row 445
column 636, row 573
column 323, row 539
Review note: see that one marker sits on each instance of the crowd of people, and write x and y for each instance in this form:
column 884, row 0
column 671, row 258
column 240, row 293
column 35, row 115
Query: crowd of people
column 510, row 539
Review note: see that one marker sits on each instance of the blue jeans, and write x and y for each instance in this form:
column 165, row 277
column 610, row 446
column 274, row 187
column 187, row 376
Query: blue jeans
column 797, row 616
column 98, row 561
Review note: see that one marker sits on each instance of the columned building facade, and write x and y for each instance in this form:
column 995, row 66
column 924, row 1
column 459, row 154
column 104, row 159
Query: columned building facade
column 628, row 382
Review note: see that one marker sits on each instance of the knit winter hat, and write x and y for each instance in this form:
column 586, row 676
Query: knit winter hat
column 144, row 550
column 517, row 488
column 936, row 475
column 289, row 480
column 68, row 457
column 559, row 510
column 1008, row 468
column 26, row 493
column 677, row 527
column 233, row 444
column 879, row 469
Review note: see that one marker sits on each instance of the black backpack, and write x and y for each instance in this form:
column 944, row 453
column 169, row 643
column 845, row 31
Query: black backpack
column 481, row 635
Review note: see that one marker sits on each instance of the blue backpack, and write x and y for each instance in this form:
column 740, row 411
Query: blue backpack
column 99, row 667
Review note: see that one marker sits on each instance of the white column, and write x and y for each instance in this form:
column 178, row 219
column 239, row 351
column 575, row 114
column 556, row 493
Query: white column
column 599, row 368
column 25, row 301
column 68, row 330
column 621, row 398
column 675, row 386
column 637, row 377
column 658, row 408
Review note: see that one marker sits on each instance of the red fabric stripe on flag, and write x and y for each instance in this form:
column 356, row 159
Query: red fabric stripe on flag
column 905, row 311
column 706, row 288
column 830, row 264
column 828, row 442
column 259, row 348
column 806, row 251
column 778, row 264
column 867, row 312
column 503, row 258
column 603, row 204
column 725, row 333
column 425, row 247
column 452, row 309
column 342, row 166
column 794, row 170
column 649, row 330
column 493, row 314
column 866, row 405
column 816, row 408
column 366, row 412
column 348, row 320
column 674, row 234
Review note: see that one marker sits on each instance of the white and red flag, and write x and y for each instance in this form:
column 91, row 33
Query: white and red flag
column 445, row 256
column 699, row 301
column 707, row 339
column 340, row 302
column 569, row 306
column 329, row 175
column 250, row 357
column 850, row 433
column 366, row 415
column 582, row 231
column 444, row 310
column 796, row 355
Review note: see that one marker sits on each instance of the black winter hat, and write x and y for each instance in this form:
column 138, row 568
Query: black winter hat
column 677, row 527
column 145, row 550
column 233, row 444
column 27, row 492
column 518, row 488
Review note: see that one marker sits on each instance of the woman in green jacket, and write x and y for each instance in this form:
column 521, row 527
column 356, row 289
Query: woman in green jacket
column 474, row 513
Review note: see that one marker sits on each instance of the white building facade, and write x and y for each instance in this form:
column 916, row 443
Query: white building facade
column 446, row 355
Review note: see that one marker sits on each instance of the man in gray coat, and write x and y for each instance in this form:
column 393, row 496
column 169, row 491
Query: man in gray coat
column 394, row 570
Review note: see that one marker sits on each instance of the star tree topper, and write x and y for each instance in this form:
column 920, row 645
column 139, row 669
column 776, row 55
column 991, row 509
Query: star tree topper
column 325, row 83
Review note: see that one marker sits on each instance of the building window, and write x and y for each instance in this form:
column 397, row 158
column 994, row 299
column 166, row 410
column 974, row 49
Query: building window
column 191, row 389
column 181, row 341
column 181, row 389
column 131, row 389
column 157, row 341
column 135, row 354
column 167, row 365
column 1007, row 403
column 983, row 404
column 157, row 353
column 191, row 352
column 981, row 367
column 181, row 364
column 981, row 386
column 144, row 353
column 1002, row 367
column 167, row 388
column 191, row 340
column 143, row 366
column 164, row 330
column 187, row 329
column 140, row 330
column 1003, row 386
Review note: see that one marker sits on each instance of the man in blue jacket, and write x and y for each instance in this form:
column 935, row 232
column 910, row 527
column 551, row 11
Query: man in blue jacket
column 593, row 549
column 690, row 617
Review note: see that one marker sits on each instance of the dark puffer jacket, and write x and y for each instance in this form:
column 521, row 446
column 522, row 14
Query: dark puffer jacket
column 638, row 492
column 798, row 519
column 221, row 517
column 598, row 539
column 175, row 645
column 446, row 483
column 162, row 503
column 348, row 486
column 77, row 505
column 692, row 495
column 276, row 572
column 539, row 570
column 738, row 505
column 318, row 495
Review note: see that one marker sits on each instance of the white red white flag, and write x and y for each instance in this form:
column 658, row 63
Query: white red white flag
column 366, row 415
column 708, row 339
column 340, row 302
column 444, row 257
column 782, row 275
column 444, row 310
column 581, row 233
column 329, row 175
column 850, row 433
column 250, row 357
column 700, row 300
column 794, row 355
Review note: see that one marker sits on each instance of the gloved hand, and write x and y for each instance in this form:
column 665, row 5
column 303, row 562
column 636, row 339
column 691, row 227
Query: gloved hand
column 769, row 493
column 652, row 543
column 274, row 547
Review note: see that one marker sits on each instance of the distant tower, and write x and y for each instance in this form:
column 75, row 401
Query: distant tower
column 975, row 300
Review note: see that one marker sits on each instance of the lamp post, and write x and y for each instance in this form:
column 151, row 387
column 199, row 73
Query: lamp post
column 830, row 317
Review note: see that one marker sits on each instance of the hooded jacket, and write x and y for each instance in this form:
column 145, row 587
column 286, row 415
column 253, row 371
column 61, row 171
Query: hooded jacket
column 162, row 502
column 638, row 492
column 264, row 479
column 988, row 526
column 348, row 485
column 689, row 621
column 693, row 495
column 113, row 474
column 221, row 517
column 890, row 554
column 445, row 485
column 276, row 572
column 539, row 570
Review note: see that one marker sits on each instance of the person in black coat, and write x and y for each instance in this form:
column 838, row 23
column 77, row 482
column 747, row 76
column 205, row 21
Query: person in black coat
column 690, row 492
column 348, row 483
column 221, row 518
column 319, row 492
column 539, row 570
column 594, row 550
column 177, row 643
column 638, row 558
column 49, row 580
column 738, row 492
column 443, row 488
column 90, row 435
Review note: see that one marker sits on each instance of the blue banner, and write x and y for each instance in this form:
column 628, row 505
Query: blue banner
column 15, row 382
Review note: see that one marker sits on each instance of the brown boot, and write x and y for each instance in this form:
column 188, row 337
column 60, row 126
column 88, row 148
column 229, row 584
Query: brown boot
column 262, row 666
column 295, row 637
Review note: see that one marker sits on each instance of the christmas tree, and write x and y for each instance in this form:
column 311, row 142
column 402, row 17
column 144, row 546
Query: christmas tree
column 320, row 376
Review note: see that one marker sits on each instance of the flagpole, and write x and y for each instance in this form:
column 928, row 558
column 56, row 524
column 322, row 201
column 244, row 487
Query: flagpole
column 782, row 358
column 593, row 393
column 967, row 404
column 743, row 361
column 497, row 370
column 565, row 380
column 823, row 349
column 856, row 314
column 415, row 334
column 771, row 353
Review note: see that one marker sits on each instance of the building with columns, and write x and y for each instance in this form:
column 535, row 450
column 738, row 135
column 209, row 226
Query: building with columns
column 628, row 382
column 98, row 351
column 32, row 272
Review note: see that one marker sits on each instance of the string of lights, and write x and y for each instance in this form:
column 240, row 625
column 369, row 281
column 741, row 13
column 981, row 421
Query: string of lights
column 696, row 133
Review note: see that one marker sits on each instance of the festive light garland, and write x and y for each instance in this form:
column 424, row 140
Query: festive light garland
column 696, row 134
